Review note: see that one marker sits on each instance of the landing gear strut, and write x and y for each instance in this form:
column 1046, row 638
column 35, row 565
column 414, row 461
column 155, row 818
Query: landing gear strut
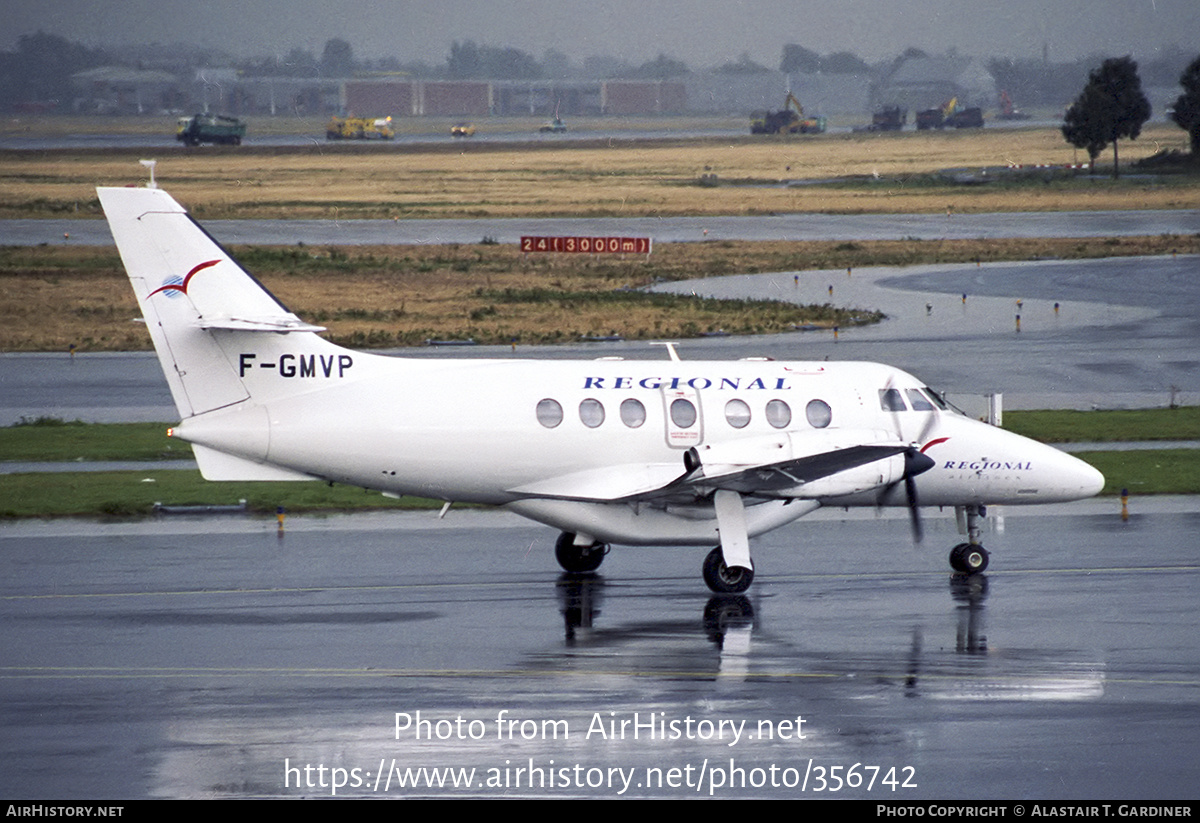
column 970, row 557
column 578, row 559
column 724, row 579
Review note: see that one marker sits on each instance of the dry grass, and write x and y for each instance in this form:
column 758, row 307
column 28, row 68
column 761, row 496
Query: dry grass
column 402, row 295
column 891, row 173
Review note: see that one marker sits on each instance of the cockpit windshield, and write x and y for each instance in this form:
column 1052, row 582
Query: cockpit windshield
column 940, row 401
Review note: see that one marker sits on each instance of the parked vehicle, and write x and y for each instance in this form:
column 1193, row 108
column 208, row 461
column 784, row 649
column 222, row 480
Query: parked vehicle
column 788, row 120
column 210, row 128
column 360, row 128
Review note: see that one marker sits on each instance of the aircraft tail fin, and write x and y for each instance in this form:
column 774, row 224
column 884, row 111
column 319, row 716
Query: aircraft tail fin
column 203, row 310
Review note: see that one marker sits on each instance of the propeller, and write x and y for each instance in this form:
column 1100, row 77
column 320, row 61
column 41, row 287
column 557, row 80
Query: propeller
column 915, row 461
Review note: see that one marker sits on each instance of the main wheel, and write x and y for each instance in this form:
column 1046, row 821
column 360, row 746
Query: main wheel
column 968, row 559
column 578, row 559
column 724, row 579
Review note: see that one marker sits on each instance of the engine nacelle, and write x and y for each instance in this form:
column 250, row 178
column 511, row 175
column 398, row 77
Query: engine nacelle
column 853, row 481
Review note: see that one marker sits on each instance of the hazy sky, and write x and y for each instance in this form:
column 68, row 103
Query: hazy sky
column 702, row 33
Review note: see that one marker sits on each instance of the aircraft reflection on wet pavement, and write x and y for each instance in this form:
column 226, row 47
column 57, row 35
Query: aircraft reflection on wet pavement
column 728, row 624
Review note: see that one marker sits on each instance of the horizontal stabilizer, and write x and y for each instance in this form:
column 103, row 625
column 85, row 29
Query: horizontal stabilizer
column 215, row 465
column 277, row 325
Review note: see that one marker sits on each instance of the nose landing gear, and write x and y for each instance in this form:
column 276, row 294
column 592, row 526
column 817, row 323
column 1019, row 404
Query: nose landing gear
column 970, row 557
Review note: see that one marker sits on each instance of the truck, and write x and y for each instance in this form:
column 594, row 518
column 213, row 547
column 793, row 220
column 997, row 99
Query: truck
column 210, row 128
column 952, row 116
column 359, row 128
column 789, row 120
column 891, row 118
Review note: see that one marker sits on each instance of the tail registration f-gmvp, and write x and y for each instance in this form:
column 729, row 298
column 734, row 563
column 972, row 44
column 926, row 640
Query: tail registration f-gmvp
column 668, row 452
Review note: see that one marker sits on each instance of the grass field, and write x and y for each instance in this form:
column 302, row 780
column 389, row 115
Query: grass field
column 397, row 296
column 402, row 295
column 842, row 173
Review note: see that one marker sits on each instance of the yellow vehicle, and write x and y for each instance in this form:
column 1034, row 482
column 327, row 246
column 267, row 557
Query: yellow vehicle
column 462, row 130
column 788, row 120
column 360, row 128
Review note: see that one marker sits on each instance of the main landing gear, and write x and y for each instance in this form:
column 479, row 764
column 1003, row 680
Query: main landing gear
column 724, row 579
column 970, row 557
column 578, row 559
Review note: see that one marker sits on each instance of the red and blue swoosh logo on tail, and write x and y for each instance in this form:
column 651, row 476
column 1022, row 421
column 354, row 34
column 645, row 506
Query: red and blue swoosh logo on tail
column 177, row 285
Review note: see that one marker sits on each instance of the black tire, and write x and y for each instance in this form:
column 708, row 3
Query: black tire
column 968, row 559
column 724, row 579
column 975, row 559
column 578, row 559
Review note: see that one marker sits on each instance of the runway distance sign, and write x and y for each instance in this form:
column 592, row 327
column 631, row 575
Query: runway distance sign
column 587, row 245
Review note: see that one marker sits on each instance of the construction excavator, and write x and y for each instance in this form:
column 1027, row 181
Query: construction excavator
column 950, row 116
column 788, row 120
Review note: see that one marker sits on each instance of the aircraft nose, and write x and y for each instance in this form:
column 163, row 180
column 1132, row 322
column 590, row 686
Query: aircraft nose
column 1079, row 479
column 1091, row 481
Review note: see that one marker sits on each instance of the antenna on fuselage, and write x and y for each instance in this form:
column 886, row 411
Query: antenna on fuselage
column 669, row 346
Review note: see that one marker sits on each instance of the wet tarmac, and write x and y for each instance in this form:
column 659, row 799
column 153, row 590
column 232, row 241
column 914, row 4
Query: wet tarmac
column 1082, row 224
column 350, row 655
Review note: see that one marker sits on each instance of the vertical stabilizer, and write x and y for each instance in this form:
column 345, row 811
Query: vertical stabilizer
column 194, row 297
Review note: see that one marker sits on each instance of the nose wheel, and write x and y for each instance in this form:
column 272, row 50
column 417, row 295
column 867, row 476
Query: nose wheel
column 968, row 558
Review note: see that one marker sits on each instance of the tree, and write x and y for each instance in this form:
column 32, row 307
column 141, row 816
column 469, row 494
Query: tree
column 662, row 67
column 338, row 58
column 1187, row 106
column 799, row 60
column 1082, row 127
column 469, row 60
column 844, row 62
column 1111, row 106
column 744, row 65
column 41, row 68
column 463, row 61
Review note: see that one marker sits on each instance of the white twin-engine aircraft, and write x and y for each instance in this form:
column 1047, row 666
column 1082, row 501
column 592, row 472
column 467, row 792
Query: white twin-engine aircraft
column 659, row 452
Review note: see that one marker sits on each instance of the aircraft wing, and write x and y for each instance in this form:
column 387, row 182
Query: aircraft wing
column 778, row 479
column 768, row 467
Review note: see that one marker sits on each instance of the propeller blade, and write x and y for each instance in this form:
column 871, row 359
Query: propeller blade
column 915, row 463
column 914, row 511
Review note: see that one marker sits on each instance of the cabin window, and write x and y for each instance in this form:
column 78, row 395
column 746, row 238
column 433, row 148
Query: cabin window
column 633, row 413
column 737, row 414
column 549, row 413
column 591, row 412
column 683, row 413
column 918, row 401
column 818, row 413
column 779, row 414
column 891, row 401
